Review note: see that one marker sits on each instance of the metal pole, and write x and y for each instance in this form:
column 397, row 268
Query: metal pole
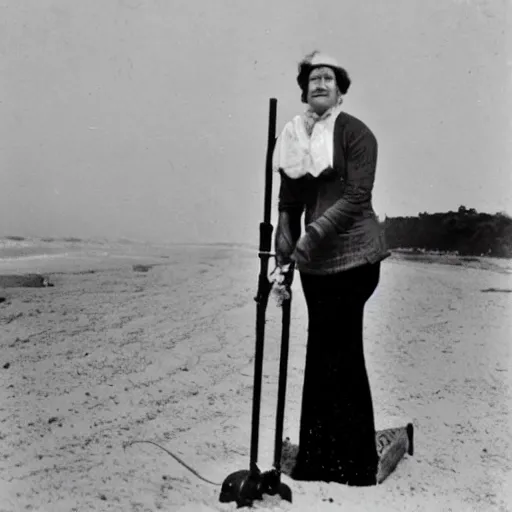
column 263, row 287
column 283, row 375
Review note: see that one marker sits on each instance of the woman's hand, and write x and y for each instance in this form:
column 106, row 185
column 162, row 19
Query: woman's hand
column 281, row 280
column 303, row 250
column 306, row 246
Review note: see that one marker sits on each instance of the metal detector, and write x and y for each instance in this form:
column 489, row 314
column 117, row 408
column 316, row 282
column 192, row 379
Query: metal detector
column 246, row 486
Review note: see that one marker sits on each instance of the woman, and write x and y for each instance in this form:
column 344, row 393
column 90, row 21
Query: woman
column 327, row 159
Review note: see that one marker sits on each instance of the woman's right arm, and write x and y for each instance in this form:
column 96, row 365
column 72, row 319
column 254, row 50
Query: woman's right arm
column 287, row 234
column 290, row 206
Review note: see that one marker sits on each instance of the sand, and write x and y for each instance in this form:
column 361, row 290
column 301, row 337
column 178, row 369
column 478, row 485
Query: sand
column 110, row 355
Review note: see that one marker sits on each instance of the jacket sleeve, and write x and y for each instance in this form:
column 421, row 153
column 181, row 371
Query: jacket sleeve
column 361, row 164
column 291, row 197
column 290, row 206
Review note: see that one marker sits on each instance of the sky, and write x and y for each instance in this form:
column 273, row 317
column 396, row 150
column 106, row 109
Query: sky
column 147, row 119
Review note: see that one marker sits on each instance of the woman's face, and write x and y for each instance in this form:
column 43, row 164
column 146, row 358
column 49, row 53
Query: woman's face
column 323, row 91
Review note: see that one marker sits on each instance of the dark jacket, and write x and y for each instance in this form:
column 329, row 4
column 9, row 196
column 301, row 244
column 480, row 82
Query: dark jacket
column 338, row 203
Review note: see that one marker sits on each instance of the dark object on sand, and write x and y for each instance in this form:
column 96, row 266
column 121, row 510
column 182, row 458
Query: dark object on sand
column 24, row 281
column 2, row 299
column 245, row 486
column 142, row 268
column 501, row 290
column 392, row 445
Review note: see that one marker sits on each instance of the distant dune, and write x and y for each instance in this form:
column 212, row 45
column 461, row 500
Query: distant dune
column 18, row 248
column 500, row 265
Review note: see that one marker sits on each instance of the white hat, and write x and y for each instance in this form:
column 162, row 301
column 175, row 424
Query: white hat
column 321, row 59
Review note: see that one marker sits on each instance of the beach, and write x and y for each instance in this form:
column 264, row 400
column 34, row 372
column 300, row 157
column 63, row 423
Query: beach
column 114, row 353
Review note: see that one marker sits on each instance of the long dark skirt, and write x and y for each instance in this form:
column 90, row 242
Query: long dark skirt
column 337, row 430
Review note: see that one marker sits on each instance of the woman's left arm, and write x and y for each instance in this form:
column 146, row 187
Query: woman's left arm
column 361, row 165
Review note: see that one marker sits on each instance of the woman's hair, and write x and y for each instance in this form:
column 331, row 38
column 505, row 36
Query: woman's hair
column 305, row 67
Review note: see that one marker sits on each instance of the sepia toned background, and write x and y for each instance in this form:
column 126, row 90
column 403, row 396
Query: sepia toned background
column 147, row 119
column 132, row 149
